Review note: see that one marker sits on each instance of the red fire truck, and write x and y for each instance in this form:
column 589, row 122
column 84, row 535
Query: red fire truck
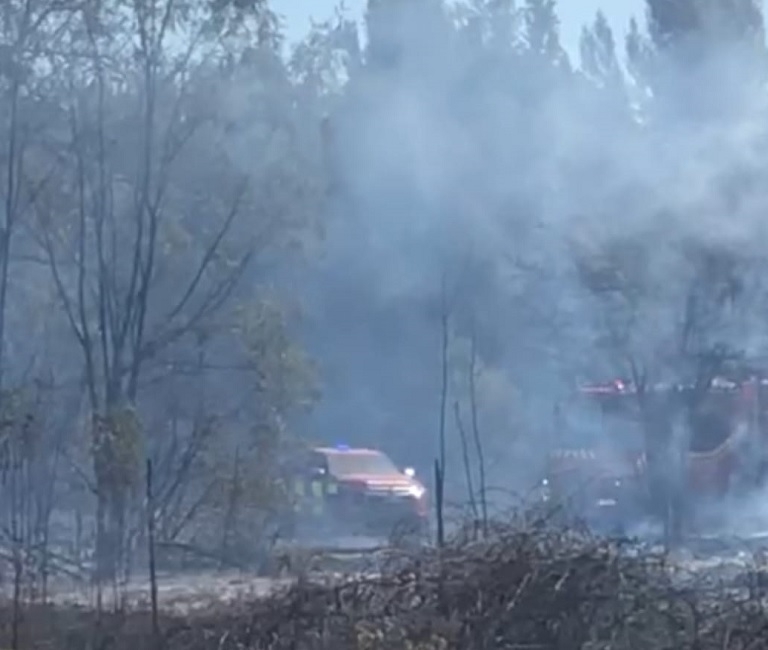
column 600, row 467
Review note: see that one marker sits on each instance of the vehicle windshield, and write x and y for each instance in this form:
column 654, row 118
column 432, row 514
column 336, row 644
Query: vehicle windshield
column 710, row 423
column 613, row 423
column 346, row 463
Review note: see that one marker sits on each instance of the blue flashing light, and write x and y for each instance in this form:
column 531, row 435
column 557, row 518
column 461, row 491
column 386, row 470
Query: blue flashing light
column 342, row 447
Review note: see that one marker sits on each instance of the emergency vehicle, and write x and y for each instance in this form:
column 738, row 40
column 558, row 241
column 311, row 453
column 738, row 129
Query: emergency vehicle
column 343, row 490
column 607, row 481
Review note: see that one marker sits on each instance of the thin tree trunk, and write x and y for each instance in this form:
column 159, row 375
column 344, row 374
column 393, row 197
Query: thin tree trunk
column 444, row 373
column 439, row 504
column 101, row 562
column 11, row 204
column 151, row 549
column 476, row 433
column 231, row 514
column 467, row 463
column 16, row 535
column 18, row 571
column 441, row 461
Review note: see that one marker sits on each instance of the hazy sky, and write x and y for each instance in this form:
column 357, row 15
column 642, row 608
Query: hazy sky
column 573, row 13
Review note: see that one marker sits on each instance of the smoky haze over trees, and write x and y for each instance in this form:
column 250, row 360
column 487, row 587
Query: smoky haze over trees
column 471, row 152
column 211, row 248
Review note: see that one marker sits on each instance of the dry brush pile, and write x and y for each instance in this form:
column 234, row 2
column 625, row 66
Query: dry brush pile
column 517, row 590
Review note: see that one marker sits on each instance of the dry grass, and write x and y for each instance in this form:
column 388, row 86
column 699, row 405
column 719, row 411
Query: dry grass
column 517, row 590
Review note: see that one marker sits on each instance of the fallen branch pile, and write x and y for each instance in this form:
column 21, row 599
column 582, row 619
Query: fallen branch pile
column 523, row 591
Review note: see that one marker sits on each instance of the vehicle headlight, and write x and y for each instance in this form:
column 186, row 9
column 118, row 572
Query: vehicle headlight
column 416, row 491
column 544, row 491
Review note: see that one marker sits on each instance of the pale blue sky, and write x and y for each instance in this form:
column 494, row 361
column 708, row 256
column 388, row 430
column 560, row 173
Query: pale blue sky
column 573, row 14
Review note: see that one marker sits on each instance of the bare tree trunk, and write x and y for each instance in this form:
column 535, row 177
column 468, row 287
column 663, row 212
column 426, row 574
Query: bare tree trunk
column 231, row 515
column 43, row 533
column 439, row 504
column 467, row 464
column 79, row 537
column 118, row 512
column 101, row 560
column 18, row 572
column 663, row 470
column 16, row 541
column 11, row 191
column 151, row 549
column 444, row 318
column 440, row 462
column 476, row 432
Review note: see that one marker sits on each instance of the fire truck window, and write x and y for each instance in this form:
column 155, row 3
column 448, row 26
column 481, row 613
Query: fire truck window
column 316, row 463
column 710, row 429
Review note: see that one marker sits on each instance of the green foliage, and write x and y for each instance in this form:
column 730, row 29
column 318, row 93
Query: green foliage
column 696, row 45
column 541, row 29
column 285, row 378
column 639, row 52
column 701, row 23
column 322, row 63
column 598, row 53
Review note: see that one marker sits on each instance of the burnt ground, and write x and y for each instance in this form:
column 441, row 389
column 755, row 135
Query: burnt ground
column 517, row 590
